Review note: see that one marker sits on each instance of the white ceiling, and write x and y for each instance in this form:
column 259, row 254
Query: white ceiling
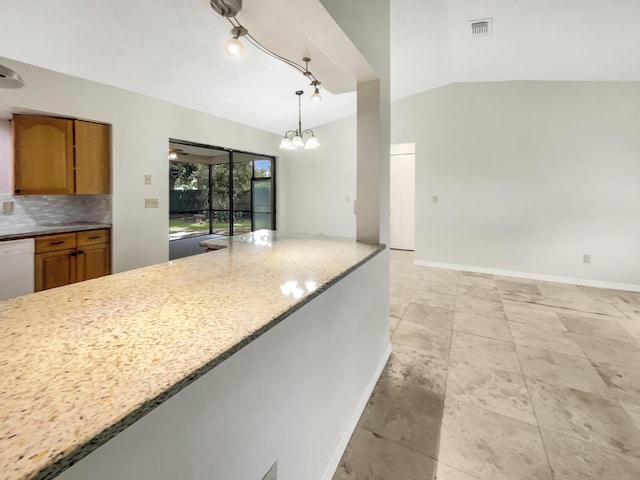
column 172, row 49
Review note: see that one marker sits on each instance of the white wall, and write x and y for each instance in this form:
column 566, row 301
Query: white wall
column 140, row 132
column 293, row 395
column 6, row 165
column 313, row 186
column 530, row 176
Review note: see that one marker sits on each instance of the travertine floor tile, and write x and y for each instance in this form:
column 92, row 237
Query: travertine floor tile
column 476, row 279
column 632, row 327
column 605, row 327
column 544, row 338
column 372, row 457
column 496, row 390
column 604, row 350
column 429, row 316
column 445, row 472
column 405, row 413
column 435, row 286
column 522, row 313
column 393, row 323
column 584, row 415
column 493, row 327
column 573, row 459
column 439, row 274
column 397, row 307
column 417, row 367
column 560, row 369
column 441, row 300
column 562, row 290
column 491, row 446
column 518, row 287
column 624, row 382
column 482, row 293
column 479, row 307
column 484, row 352
column 436, row 341
column 633, row 410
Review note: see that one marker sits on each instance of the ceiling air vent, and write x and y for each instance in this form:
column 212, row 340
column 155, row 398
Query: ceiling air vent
column 481, row 28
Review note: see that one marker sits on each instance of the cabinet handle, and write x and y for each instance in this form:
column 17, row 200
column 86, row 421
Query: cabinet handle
column 94, row 237
column 73, row 254
column 17, row 190
column 57, row 243
column 80, row 252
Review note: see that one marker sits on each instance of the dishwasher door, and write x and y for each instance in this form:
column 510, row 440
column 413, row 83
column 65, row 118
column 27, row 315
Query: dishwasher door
column 16, row 268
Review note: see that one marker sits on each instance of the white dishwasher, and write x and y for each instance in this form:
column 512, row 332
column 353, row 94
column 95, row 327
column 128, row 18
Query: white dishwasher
column 16, row 268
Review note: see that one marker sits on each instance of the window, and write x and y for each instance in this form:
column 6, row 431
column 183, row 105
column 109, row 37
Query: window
column 216, row 191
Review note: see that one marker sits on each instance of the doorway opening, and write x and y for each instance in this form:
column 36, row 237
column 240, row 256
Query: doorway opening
column 402, row 208
column 215, row 192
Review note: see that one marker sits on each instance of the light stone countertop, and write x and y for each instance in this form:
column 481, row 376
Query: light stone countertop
column 80, row 363
column 35, row 230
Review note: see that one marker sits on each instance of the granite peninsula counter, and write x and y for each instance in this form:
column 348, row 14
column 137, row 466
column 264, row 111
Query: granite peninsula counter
column 81, row 363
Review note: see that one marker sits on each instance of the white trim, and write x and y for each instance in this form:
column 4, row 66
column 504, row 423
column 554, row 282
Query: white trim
column 533, row 276
column 349, row 428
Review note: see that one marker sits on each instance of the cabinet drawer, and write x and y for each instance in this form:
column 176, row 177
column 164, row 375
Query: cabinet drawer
column 93, row 237
column 51, row 243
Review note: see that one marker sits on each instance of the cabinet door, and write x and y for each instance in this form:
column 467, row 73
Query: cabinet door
column 93, row 157
column 94, row 261
column 54, row 269
column 43, row 155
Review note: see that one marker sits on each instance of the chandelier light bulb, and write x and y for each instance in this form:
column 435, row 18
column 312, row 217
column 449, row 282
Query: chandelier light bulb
column 234, row 47
column 297, row 141
column 316, row 97
column 312, row 143
column 287, row 144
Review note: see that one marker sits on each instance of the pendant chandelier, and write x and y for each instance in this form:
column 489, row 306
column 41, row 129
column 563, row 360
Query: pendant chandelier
column 295, row 139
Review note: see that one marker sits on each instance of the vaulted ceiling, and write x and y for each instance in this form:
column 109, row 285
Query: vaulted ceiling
column 172, row 49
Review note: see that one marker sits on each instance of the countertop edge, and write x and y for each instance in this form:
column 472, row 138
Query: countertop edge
column 51, row 230
column 70, row 459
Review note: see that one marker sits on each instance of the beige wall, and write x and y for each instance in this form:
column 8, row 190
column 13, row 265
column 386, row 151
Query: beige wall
column 530, row 176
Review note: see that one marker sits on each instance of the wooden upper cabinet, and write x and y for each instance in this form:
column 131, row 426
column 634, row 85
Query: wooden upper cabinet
column 61, row 156
column 43, row 155
column 93, row 157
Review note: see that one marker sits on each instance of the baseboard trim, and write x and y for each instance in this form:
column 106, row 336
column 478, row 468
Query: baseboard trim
column 533, row 276
column 343, row 441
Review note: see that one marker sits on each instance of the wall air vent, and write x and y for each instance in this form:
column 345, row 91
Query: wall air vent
column 482, row 27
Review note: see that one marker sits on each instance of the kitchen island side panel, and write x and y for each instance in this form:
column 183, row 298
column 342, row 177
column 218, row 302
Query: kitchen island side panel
column 290, row 396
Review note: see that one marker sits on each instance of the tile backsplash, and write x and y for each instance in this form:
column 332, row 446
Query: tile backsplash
column 34, row 210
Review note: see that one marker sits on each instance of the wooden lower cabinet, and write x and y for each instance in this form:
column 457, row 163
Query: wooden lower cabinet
column 67, row 258
column 54, row 269
column 93, row 261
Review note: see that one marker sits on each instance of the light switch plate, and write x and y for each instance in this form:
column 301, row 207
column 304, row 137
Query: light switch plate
column 147, row 179
column 586, row 258
column 7, row 207
column 151, row 203
column 434, row 199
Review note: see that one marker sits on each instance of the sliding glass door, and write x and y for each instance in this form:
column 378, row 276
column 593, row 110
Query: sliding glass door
column 218, row 191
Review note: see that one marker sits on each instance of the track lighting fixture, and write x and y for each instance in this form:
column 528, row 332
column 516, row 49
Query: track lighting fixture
column 234, row 47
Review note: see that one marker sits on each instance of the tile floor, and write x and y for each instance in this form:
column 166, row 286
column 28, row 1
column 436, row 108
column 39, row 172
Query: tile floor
column 499, row 378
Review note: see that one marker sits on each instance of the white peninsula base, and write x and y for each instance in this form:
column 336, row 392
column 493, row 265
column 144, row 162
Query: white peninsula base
column 294, row 395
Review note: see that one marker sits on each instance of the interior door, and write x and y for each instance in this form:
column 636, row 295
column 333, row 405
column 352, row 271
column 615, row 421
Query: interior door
column 403, row 202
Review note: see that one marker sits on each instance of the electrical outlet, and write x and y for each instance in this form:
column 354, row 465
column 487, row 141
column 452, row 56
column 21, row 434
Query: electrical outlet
column 586, row 258
column 7, row 207
column 151, row 203
column 434, row 199
column 147, row 179
column 272, row 474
